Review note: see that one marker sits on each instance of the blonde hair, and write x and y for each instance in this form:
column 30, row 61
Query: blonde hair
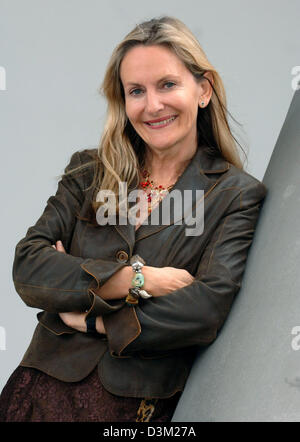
column 121, row 150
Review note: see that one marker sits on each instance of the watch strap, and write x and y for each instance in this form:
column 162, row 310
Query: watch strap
column 91, row 324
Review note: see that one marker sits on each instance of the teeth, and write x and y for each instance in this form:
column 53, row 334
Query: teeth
column 161, row 123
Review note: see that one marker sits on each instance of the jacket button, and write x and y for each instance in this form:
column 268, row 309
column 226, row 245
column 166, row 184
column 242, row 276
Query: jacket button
column 122, row 256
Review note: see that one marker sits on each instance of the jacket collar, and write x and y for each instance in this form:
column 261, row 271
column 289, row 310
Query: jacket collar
column 197, row 175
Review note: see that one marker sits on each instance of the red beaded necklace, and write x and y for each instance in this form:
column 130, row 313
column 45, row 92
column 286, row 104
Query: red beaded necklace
column 157, row 192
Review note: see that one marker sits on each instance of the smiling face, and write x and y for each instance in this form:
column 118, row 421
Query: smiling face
column 161, row 98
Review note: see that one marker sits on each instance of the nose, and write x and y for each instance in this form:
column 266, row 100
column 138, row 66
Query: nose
column 153, row 102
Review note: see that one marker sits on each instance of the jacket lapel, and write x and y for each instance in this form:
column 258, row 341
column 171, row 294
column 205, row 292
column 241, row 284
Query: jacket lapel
column 197, row 176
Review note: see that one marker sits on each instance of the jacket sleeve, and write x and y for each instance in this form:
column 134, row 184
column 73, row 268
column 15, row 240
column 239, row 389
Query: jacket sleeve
column 54, row 281
column 192, row 315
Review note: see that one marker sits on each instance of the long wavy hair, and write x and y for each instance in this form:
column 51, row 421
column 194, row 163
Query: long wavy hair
column 121, row 150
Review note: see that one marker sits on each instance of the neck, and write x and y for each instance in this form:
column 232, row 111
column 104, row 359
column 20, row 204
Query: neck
column 164, row 167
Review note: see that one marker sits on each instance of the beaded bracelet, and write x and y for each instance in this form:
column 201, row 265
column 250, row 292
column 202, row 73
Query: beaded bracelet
column 138, row 280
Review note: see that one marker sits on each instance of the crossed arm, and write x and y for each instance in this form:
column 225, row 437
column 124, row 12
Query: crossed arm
column 164, row 281
column 70, row 285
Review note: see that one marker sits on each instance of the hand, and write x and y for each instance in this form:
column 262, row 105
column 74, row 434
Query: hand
column 59, row 246
column 160, row 281
column 74, row 320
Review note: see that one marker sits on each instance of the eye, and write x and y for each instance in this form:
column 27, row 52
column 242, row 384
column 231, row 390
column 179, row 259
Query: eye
column 169, row 84
column 135, row 91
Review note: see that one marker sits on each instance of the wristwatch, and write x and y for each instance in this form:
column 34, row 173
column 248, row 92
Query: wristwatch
column 91, row 324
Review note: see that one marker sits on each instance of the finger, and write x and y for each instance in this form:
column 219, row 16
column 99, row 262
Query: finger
column 60, row 247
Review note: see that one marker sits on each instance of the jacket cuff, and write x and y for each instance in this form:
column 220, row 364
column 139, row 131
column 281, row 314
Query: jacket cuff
column 101, row 271
column 121, row 329
column 53, row 322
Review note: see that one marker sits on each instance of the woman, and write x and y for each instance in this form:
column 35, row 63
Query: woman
column 126, row 305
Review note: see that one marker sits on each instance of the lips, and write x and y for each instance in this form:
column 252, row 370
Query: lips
column 161, row 122
column 167, row 117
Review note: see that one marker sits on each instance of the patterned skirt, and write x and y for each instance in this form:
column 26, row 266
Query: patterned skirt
column 33, row 396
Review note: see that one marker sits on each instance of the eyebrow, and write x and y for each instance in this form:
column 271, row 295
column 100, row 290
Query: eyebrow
column 165, row 77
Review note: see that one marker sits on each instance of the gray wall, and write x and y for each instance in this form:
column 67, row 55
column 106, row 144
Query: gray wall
column 252, row 371
column 54, row 54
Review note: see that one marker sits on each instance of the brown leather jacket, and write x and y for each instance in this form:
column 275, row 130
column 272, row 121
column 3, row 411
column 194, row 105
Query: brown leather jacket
column 149, row 349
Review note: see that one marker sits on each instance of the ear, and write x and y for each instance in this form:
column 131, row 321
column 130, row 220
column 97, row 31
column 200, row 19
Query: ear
column 205, row 89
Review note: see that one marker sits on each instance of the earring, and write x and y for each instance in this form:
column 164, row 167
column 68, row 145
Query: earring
column 202, row 103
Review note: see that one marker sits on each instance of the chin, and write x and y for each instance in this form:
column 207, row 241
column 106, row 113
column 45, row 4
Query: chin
column 160, row 144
